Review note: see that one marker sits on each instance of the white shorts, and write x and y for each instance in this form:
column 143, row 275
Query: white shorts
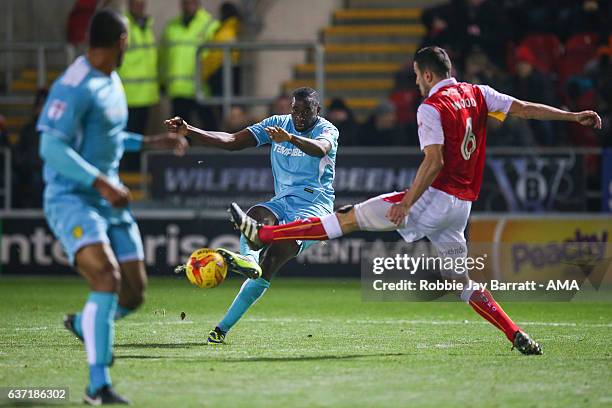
column 439, row 216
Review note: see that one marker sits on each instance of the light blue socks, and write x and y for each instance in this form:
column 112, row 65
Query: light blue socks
column 120, row 313
column 251, row 290
column 248, row 252
column 97, row 325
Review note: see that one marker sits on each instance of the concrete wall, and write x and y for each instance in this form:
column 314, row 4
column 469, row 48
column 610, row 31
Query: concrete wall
column 282, row 20
column 293, row 20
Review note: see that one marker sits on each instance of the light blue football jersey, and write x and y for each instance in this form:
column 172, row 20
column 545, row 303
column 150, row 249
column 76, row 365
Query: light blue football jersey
column 296, row 173
column 87, row 109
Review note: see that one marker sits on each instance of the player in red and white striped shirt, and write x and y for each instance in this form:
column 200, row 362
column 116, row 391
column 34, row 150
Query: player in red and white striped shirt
column 452, row 132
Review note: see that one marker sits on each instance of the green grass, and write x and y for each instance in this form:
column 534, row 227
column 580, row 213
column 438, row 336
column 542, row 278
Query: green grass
column 311, row 343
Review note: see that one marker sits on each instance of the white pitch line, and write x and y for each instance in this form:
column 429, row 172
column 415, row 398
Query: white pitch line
column 423, row 322
column 360, row 321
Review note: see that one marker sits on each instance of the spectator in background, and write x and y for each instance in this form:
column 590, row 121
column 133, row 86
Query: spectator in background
column 532, row 17
column 382, row 128
column 341, row 116
column 438, row 21
column 479, row 70
column 4, row 137
column 139, row 69
column 78, row 22
column 238, row 119
column 583, row 16
column 406, row 98
column 531, row 85
column 281, row 105
column 602, row 77
column 228, row 31
column 483, row 25
column 27, row 165
column 177, row 60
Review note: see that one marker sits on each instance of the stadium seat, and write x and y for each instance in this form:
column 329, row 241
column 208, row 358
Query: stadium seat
column 579, row 49
column 547, row 47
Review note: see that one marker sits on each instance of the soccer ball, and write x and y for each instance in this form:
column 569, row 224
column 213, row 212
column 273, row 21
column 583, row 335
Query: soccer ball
column 206, row 268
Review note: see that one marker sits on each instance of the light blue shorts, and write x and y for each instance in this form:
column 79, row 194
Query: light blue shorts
column 292, row 208
column 76, row 223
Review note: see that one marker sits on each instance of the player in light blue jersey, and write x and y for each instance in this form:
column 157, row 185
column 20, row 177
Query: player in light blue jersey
column 303, row 158
column 86, row 206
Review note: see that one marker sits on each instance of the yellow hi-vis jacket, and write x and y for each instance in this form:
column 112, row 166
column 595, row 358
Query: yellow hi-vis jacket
column 178, row 52
column 227, row 32
column 139, row 69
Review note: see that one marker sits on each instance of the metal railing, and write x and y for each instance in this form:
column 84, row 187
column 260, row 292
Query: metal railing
column 41, row 50
column 228, row 98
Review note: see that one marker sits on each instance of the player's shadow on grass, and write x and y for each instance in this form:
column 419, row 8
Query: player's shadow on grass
column 268, row 359
column 160, row 345
column 310, row 358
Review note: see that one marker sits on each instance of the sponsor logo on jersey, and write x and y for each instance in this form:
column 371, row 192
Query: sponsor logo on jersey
column 288, row 151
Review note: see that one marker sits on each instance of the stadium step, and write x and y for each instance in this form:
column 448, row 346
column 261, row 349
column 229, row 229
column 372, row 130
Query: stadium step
column 27, row 80
column 360, row 103
column 368, row 42
column 373, row 33
column 32, row 75
column 375, row 84
column 18, row 114
column 346, row 88
column 394, row 4
column 23, row 85
column 16, row 122
column 350, row 70
column 376, row 52
column 377, row 16
column 133, row 181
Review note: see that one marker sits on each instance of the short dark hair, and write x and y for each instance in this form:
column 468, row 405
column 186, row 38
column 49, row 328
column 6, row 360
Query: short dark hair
column 434, row 59
column 106, row 28
column 306, row 93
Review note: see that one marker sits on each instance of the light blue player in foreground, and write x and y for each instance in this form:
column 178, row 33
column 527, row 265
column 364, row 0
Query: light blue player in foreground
column 86, row 206
column 303, row 158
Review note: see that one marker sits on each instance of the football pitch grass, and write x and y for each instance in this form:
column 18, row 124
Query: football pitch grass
column 310, row 343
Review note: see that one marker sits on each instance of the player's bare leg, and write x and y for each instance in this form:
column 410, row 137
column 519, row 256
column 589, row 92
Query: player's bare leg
column 98, row 265
column 275, row 256
column 133, row 285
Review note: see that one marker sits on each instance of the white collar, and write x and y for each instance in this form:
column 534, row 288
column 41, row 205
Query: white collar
column 441, row 84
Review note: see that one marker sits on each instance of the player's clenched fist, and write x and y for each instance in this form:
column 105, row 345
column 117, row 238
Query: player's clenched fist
column 589, row 119
column 117, row 195
column 177, row 125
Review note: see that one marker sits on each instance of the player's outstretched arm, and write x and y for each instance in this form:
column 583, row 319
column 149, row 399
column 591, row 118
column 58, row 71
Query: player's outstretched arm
column 538, row 111
column 135, row 142
column 166, row 141
column 221, row 140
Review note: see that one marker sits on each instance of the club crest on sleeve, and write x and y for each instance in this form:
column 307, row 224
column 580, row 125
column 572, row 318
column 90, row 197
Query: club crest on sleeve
column 56, row 109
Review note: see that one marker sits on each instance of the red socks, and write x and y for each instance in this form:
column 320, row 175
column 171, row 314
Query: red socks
column 484, row 304
column 310, row 229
